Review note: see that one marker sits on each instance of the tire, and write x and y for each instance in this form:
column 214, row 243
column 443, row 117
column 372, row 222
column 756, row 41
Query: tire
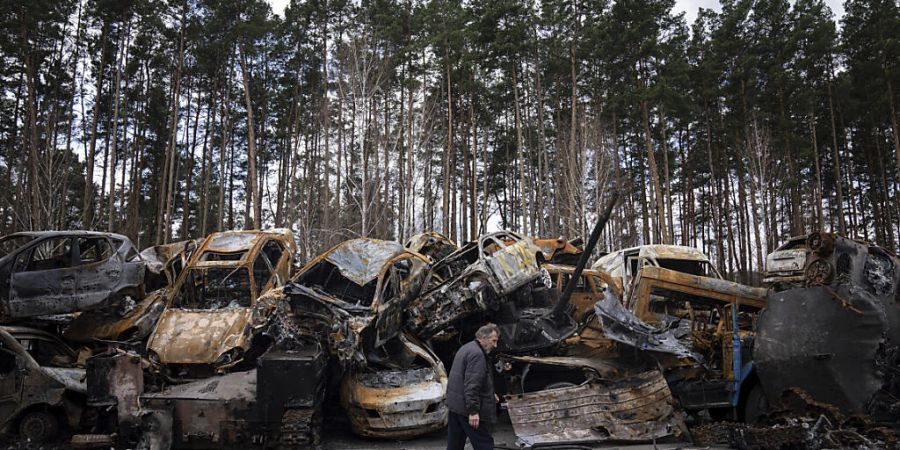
column 39, row 427
column 755, row 405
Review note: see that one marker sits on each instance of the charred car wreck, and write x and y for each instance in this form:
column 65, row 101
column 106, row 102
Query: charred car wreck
column 60, row 272
column 699, row 328
column 352, row 299
column 42, row 387
column 214, row 318
column 496, row 278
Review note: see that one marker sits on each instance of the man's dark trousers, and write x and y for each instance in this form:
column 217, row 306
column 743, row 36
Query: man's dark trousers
column 458, row 429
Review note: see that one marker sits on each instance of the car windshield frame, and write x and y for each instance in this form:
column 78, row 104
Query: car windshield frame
column 5, row 242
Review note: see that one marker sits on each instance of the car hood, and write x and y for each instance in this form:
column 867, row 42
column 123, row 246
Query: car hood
column 73, row 379
column 185, row 336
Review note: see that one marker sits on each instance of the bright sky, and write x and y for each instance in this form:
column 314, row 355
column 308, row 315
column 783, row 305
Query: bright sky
column 688, row 6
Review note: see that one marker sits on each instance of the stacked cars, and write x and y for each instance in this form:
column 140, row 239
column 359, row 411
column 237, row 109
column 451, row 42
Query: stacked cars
column 210, row 356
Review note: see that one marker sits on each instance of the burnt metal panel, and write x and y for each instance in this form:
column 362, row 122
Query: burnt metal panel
column 636, row 409
column 290, row 379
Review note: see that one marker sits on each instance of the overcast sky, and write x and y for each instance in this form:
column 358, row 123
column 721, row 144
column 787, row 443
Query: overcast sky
column 688, row 6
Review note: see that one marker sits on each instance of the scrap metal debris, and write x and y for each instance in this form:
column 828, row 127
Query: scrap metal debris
column 639, row 408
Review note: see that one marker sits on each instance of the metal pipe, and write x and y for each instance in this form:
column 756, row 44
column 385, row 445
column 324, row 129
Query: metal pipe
column 560, row 306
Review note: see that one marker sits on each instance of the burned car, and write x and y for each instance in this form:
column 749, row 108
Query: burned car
column 42, row 389
column 402, row 396
column 213, row 319
column 835, row 333
column 494, row 277
column 627, row 264
column 132, row 320
column 59, row 272
column 431, row 244
column 558, row 251
column 352, row 299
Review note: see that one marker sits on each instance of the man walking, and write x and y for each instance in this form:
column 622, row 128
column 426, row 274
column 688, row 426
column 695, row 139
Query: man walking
column 470, row 393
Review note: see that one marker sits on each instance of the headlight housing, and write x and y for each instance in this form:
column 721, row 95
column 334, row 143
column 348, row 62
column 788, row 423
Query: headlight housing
column 153, row 357
column 229, row 358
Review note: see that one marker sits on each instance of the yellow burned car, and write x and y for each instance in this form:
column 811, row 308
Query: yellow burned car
column 213, row 319
column 352, row 298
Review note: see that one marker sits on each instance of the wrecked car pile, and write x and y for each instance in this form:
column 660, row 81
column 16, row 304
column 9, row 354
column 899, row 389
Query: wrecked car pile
column 231, row 346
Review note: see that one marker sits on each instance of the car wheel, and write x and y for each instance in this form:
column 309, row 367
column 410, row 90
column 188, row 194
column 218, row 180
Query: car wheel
column 38, row 426
column 755, row 405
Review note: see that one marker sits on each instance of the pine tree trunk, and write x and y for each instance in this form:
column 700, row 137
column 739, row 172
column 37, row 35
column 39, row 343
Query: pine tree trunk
column 820, row 217
column 252, row 222
column 654, row 171
column 120, row 60
column 895, row 126
column 87, row 210
column 445, row 173
column 838, row 181
column 163, row 217
column 520, row 158
column 226, row 113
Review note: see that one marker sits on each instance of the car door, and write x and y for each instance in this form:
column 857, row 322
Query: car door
column 397, row 286
column 11, row 375
column 43, row 280
column 97, row 271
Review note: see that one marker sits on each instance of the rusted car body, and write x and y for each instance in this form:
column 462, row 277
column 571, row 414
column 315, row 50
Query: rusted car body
column 785, row 266
column 431, row 244
column 627, row 264
column 213, row 318
column 472, row 280
column 165, row 262
column 637, row 408
column 277, row 405
column 836, row 333
column 398, row 402
column 700, row 328
column 60, row 272
column 559, row 251
column 41, row 387
column 132, row 321
column 353, row 296
column 352, row 299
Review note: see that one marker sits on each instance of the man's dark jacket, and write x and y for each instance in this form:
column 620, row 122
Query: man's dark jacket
column 470, row 388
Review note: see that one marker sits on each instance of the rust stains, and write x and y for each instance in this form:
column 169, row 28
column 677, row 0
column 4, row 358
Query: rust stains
column 638, row 409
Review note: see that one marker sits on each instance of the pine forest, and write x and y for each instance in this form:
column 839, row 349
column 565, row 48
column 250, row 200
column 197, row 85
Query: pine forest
column 166, row 120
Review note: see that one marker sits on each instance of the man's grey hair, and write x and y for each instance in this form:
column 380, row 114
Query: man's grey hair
column 487, row 330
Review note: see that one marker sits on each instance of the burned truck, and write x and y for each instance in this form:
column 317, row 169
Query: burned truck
column 832, row 326
column 59, row 272
column 698, row 326
column 352, row 299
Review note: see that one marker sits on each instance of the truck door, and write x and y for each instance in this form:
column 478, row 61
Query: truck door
column 43, row 280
